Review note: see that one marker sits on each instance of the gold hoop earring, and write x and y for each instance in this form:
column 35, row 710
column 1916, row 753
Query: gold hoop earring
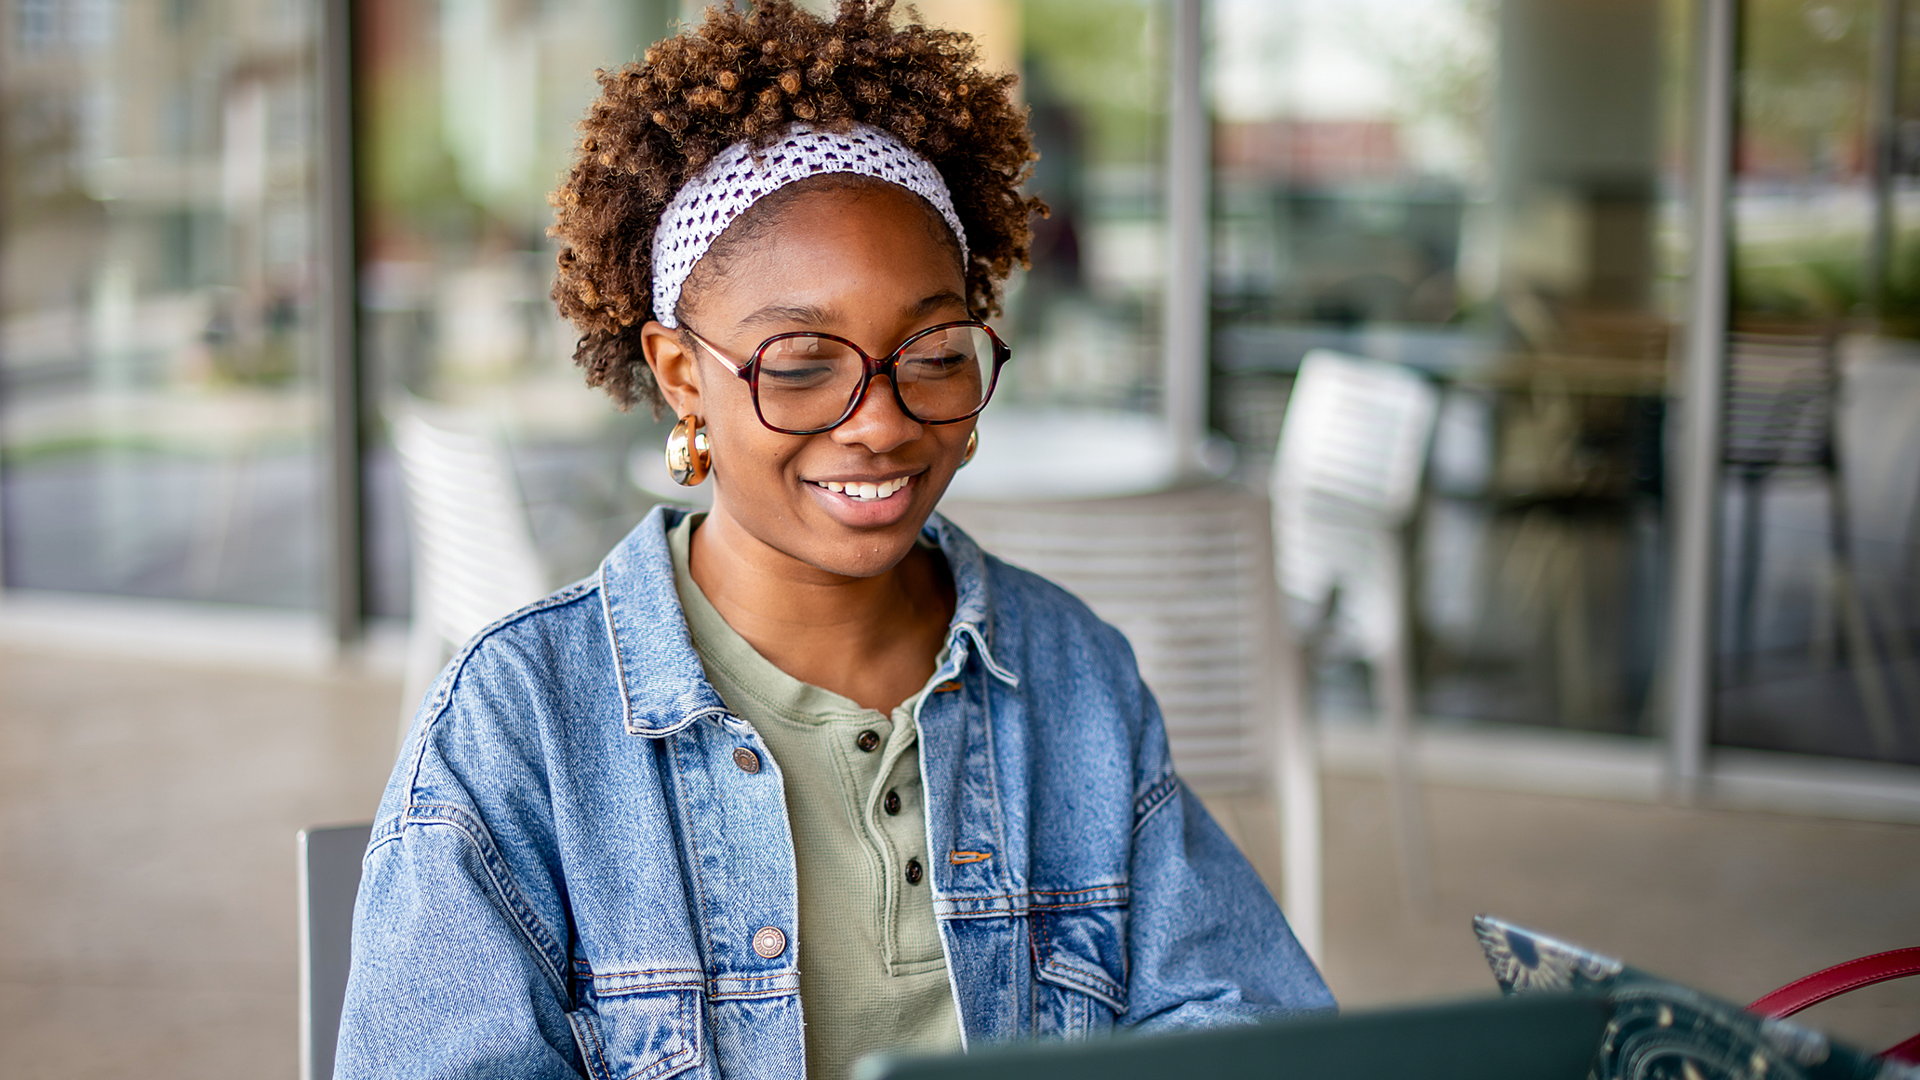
column 973, row 447
column 688, row 454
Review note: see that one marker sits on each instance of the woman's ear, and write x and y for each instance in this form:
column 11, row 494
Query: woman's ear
column 673, row 367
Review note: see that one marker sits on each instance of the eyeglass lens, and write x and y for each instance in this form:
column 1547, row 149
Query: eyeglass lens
column 808, row 382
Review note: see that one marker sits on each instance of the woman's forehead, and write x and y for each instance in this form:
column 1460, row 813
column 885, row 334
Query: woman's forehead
column 830, row 252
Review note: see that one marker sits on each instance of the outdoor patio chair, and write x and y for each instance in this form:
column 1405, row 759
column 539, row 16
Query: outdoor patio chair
column 329, row 871
column 1781, row 413
column 1187, row 576
column 1345, row 482
column 473, row 553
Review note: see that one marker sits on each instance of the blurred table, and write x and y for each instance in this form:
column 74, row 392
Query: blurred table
column 1032, row 454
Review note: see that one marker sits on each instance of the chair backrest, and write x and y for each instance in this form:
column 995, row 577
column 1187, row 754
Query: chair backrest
column 1347, row 474
column 1780, row 399
column 329, row 881
column 1187, row 576
column 1354, row 441
column 473, row 556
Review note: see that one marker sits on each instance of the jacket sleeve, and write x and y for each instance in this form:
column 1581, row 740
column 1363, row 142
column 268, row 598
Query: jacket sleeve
column 460, row 963
column 448, row 979
column 1207, row 944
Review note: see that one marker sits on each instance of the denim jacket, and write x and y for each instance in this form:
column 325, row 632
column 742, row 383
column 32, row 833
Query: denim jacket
column 571, row 875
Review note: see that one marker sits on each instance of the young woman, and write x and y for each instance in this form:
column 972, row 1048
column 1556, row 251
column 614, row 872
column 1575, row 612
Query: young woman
column 810, row 776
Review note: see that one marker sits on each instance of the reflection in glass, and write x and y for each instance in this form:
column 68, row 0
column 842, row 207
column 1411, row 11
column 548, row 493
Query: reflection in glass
column 1083, row 323
column 467, row 116
column 158, row 415
column 1476, row 190
column 1820, row 573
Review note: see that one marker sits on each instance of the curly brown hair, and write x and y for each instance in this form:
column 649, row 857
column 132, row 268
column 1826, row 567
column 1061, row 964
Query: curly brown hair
column 741, row 76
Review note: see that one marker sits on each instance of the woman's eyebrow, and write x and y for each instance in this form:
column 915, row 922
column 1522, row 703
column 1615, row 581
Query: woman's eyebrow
column 805, row 314
column 943, row 299
column 812, row 315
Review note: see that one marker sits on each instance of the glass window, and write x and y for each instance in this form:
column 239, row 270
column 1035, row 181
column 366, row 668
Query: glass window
column 468, row 111
column 1483, row 192
column 158, row 410
column 1820, row 582
column 1084, row 321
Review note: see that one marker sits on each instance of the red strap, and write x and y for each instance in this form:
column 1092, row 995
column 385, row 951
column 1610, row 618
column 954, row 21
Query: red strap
column 1838, row 979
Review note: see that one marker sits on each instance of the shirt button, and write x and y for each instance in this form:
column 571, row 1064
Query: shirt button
column 891, row 803
column 769, row 942
column 867, row 741
column 914, row 873
column 748, row 761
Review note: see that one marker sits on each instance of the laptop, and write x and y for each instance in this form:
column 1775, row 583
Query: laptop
column 1569, row 1014
column 1549, row 1037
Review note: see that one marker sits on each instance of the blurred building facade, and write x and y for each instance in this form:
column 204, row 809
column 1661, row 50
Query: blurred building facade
column 1494, row 192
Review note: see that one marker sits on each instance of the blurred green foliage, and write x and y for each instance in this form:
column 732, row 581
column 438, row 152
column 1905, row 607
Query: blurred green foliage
column 1825, row 280
column 1106, row 59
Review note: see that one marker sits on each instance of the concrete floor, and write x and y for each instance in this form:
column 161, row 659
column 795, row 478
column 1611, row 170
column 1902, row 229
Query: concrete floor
column 147, row 901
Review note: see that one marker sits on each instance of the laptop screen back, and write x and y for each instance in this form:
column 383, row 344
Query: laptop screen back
column 1549, row 1037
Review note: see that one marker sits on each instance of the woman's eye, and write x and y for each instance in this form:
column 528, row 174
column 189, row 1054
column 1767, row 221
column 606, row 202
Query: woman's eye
column 937, row 366
column 795, row 376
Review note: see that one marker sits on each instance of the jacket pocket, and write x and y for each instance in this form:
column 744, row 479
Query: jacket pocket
column 639, row 1035
column 1080, row 971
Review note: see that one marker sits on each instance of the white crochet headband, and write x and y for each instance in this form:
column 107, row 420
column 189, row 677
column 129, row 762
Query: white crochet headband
column 739, row 176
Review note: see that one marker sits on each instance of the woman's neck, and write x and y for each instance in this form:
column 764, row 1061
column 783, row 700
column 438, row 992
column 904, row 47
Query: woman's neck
column 869, row 639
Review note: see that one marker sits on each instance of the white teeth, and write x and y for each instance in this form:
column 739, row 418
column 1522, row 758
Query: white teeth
column 858, row 489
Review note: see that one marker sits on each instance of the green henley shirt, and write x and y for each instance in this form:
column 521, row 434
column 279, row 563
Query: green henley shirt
column 873, row 975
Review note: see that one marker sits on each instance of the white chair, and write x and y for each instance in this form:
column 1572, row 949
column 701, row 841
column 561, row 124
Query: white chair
column 473, row 553
column 1345, row 483
column 1187, row 576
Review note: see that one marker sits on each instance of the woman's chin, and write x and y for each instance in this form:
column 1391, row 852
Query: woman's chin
column 861, row 538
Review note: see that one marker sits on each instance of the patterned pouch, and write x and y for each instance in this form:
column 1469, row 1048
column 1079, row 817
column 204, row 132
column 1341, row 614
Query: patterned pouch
column 1664, row 1031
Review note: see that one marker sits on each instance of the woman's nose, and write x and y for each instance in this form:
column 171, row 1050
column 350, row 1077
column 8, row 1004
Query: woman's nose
column 877, row 422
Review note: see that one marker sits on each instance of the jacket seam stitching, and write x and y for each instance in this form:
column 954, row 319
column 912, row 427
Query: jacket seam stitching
column 771, row 976
column 613, row 645
column 505, row 891
column 1156, row 797
column 692, row 849
column 999, row 870
column 442, row 689
column 644, row 971
column 671, row 1061
column 1116, row 887
column 586, row 1033
column 645, row 988
column 1076, row 975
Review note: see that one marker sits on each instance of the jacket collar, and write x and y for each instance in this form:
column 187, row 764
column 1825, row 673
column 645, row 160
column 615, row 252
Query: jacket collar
column 661, row 680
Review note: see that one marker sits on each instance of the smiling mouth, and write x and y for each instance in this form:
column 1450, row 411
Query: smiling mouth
column 860, row 489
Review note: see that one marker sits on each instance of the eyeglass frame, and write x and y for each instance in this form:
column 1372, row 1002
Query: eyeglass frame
column 888, row 365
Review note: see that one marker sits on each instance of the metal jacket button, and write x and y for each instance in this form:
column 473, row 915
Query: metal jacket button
column 748, row 761
column 914, row 873
column 891, row 803
column 867, row 741
column 769, row 942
